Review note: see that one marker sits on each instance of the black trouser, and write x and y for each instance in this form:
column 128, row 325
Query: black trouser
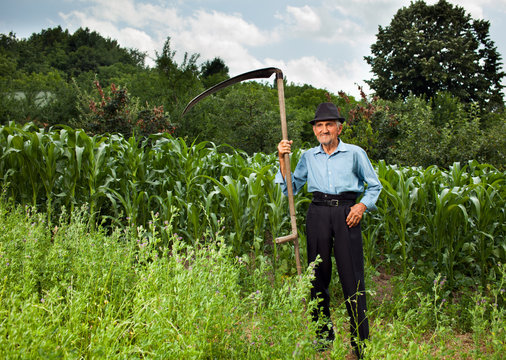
column 326, row 229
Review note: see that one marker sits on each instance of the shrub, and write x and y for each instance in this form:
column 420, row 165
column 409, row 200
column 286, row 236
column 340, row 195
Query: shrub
column 115, row 111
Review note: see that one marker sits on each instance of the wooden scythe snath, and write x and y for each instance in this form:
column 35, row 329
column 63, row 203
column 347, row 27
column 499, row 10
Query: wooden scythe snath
column 263, row 74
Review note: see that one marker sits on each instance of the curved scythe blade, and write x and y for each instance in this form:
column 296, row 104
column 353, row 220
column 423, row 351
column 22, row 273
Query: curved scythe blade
column 255, row 74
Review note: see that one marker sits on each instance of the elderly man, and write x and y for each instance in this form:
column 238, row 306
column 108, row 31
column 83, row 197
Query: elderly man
column 335, row 173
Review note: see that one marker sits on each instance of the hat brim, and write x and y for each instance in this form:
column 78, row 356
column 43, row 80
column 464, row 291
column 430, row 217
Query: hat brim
column 341, row 120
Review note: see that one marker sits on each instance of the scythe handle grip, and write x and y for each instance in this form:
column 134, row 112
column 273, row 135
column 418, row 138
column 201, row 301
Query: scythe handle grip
column 282, row 111
column 284, row 239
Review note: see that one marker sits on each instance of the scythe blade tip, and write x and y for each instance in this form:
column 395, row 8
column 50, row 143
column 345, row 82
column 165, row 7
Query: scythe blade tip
column 254, row 74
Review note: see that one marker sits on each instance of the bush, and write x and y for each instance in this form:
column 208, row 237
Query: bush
column 115, row 111
column 439, row 132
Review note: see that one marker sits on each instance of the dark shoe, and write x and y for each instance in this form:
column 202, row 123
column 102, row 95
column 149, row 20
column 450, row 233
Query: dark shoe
column 324, row 344
column 330, row 333
column 359, row 352
column 326, row 337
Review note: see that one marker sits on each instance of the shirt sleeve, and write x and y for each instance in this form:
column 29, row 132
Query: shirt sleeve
column 368, row 175
column 299, row 177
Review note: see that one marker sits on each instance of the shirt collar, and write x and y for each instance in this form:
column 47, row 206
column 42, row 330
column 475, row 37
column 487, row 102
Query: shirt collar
column 342, row 146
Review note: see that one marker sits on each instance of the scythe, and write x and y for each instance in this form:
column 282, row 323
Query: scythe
column 260, row 74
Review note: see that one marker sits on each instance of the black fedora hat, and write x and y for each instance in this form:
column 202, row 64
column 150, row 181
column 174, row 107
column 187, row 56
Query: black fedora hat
column 327, row 111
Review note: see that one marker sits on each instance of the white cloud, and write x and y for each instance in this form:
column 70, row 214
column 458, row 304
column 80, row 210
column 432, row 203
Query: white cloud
column 215, row 34
column 76, row 19
column 323, row 23
column 211, row 34
column 303, row 18
column 219, row 25
column 126, row 36
column 136, row 39
column 331, row 37
column 135, row 14
column 115, row 11
column 322, row 74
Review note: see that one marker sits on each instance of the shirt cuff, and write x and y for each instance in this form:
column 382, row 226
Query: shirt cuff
column 278, row 179
column 370, row 206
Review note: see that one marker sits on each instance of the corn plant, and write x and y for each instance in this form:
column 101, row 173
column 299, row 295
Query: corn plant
column 444, row 221
column 457, row 175
column 73, row 148
column 257, row 204
column 402, row 195
column 21, row 156
column 97, row 167
column 371, row 228
column 487, row 223
column 236, row 194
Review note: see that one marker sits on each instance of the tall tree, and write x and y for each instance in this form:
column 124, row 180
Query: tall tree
column 213, row 71
column 178, row 82
column 431, row 48
column 73, row 54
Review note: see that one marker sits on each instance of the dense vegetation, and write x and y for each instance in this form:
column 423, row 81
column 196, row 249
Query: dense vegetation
column 440, row 221
column 190, row 227
column 70, row 291
column 431, row 48
column 115, row 92
column 73, row 292
column 130, row 232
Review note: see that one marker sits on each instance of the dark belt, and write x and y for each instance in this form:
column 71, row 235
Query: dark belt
column 322, row 199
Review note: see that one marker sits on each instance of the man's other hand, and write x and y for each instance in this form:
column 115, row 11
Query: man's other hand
column 355, row 215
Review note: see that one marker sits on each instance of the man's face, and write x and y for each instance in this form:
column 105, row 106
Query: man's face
column 327, row 131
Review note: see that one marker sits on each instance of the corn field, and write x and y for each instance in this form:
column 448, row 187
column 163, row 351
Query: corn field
column 439, row 221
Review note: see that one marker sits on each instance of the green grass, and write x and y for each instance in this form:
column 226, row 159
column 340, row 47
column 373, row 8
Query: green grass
column 68, row 292
column 71, row 291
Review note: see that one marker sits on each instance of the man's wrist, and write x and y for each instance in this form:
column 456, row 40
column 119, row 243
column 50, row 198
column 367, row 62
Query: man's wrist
column 363, row 206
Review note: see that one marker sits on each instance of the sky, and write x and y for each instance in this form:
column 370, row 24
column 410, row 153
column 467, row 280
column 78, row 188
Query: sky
column 317, row 42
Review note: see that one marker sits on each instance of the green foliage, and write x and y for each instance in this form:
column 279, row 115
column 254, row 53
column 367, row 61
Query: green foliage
column 421, row 319
column 58, row 90
column 358, row 128
column 72, row 54
column 44, row 98
column 432, row 48
column 440, row 215
column 123, row 180
column 439, row 132
column 68, row 290
column 440, row 221
column 493, row 143
column 213, row 72
column 179, row 82
column 245, row 117
column 7, row 65
column 36, row 72
column 115, row 111
column 75, row 292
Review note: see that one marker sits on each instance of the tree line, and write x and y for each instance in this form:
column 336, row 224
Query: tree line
column 420, row 114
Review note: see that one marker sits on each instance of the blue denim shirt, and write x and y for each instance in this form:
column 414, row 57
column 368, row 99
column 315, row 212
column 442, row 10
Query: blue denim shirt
column 346, row 169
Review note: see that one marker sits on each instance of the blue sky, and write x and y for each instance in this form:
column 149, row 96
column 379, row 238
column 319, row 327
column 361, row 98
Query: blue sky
column 316, row 42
